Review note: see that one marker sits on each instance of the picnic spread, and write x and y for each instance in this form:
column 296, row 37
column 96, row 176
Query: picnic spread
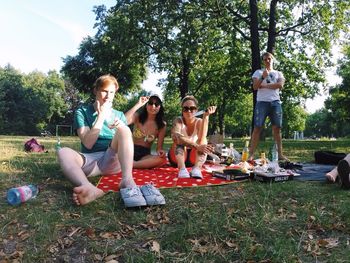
column 220, row 174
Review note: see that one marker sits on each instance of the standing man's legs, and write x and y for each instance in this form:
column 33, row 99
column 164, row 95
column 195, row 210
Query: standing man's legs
column 261, row 112
column 276, row 121
column 254, row 141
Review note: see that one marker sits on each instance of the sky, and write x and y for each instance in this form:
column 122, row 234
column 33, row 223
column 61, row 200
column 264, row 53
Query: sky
column 37, row 34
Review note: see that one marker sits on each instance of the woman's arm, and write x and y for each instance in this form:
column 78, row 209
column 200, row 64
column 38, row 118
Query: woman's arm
column 130, row 114
column 203, row 128
column 180, row 138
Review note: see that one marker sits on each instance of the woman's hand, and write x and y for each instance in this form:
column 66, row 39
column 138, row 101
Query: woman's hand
column 210, row 110
column 161, row 153
column 143, row 100
column 205, row 148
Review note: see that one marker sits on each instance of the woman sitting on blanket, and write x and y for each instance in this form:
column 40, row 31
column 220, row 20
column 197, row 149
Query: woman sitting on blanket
column 343, row 171
column 149, row 125
column 189, row 134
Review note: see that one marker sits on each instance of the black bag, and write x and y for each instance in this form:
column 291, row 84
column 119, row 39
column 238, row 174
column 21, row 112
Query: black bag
column 328, row 157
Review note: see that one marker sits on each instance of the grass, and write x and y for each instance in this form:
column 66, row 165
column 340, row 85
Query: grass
column 244, row 222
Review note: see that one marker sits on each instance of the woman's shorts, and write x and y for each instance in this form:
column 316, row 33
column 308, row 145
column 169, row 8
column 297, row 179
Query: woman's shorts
column 272, row 109
column 190, row 155
column 98, row 163
column 140, row 152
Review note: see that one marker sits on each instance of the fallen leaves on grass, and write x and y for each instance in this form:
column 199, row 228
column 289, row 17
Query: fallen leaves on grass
column 206, row 245
column 328, row 242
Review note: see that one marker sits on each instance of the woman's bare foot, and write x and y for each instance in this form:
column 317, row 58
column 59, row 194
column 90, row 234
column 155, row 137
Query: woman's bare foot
column 86, row 193
column 332, row 175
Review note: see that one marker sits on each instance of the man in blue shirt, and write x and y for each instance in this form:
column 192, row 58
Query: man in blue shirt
column 106, row 148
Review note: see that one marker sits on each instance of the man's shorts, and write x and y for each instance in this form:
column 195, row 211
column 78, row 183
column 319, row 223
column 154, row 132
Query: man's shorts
column 101, row 163
column 272, row 109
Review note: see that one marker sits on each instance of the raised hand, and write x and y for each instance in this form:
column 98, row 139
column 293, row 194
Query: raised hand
column 210, row 110
column 143, row 100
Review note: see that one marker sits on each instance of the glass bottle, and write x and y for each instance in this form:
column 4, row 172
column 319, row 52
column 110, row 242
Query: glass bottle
column 245, row 152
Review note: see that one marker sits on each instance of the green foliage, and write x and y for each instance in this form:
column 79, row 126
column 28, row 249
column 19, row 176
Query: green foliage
column 30, row 102
column 114, row 50
column 338, row 104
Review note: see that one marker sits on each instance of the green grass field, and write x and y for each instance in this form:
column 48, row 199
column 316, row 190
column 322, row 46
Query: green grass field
column 245, row 222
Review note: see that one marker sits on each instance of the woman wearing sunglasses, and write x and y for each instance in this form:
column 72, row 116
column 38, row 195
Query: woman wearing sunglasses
column 148, row 118
column 189, row 134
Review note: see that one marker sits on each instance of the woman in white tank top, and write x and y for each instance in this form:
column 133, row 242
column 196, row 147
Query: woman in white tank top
column 189, row 134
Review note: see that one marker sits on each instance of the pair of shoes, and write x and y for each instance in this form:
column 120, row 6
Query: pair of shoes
column 196, row 173
column 344, row 171
column 132, row 197
column 183, row 173
column 152, row 195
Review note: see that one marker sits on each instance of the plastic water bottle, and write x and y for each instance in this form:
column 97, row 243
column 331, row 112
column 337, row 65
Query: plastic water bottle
column 58, row 144
column 274, row 153
column 18, row 195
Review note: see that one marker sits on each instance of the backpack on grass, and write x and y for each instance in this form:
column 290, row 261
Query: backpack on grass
column 32, row 145
column 328, row 157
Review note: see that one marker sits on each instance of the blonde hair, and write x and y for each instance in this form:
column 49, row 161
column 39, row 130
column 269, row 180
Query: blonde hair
column 106, row 80
column 267, row 54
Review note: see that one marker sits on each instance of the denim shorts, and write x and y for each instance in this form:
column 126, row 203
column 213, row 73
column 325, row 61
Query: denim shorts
column 273, row 109
column 98, row 163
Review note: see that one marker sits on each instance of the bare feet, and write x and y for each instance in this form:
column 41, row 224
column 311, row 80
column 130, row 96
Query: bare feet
column 283, row 158
column 332, row 175
column 86, row 193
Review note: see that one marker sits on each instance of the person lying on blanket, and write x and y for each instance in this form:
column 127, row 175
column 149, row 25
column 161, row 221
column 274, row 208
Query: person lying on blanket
column 343, row 171
column 148, row 118
column 189, row 134
column 106, row 148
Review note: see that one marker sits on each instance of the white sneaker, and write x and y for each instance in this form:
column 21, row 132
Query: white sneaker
column 152, row 195
column 196, row 173
column 183, row 173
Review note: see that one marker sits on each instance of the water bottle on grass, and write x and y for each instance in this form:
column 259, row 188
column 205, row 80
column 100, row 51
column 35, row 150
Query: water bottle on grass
column 18, row 195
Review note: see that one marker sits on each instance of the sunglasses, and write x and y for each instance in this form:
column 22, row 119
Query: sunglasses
column 191, row 109
column 154, row 103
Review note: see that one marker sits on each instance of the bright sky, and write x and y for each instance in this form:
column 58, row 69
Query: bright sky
column 37, row 34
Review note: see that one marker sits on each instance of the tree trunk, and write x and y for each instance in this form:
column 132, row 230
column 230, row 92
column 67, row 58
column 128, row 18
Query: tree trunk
column 255, row 49
column 272, row 27
column 185, row 72
column 221, row 115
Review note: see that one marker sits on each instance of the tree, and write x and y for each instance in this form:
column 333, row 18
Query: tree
column 29, row 103
column 113, row 50
column 299, row 33
column 338, row 104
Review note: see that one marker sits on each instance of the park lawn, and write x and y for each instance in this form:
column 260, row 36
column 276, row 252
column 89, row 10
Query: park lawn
column 245, row 222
